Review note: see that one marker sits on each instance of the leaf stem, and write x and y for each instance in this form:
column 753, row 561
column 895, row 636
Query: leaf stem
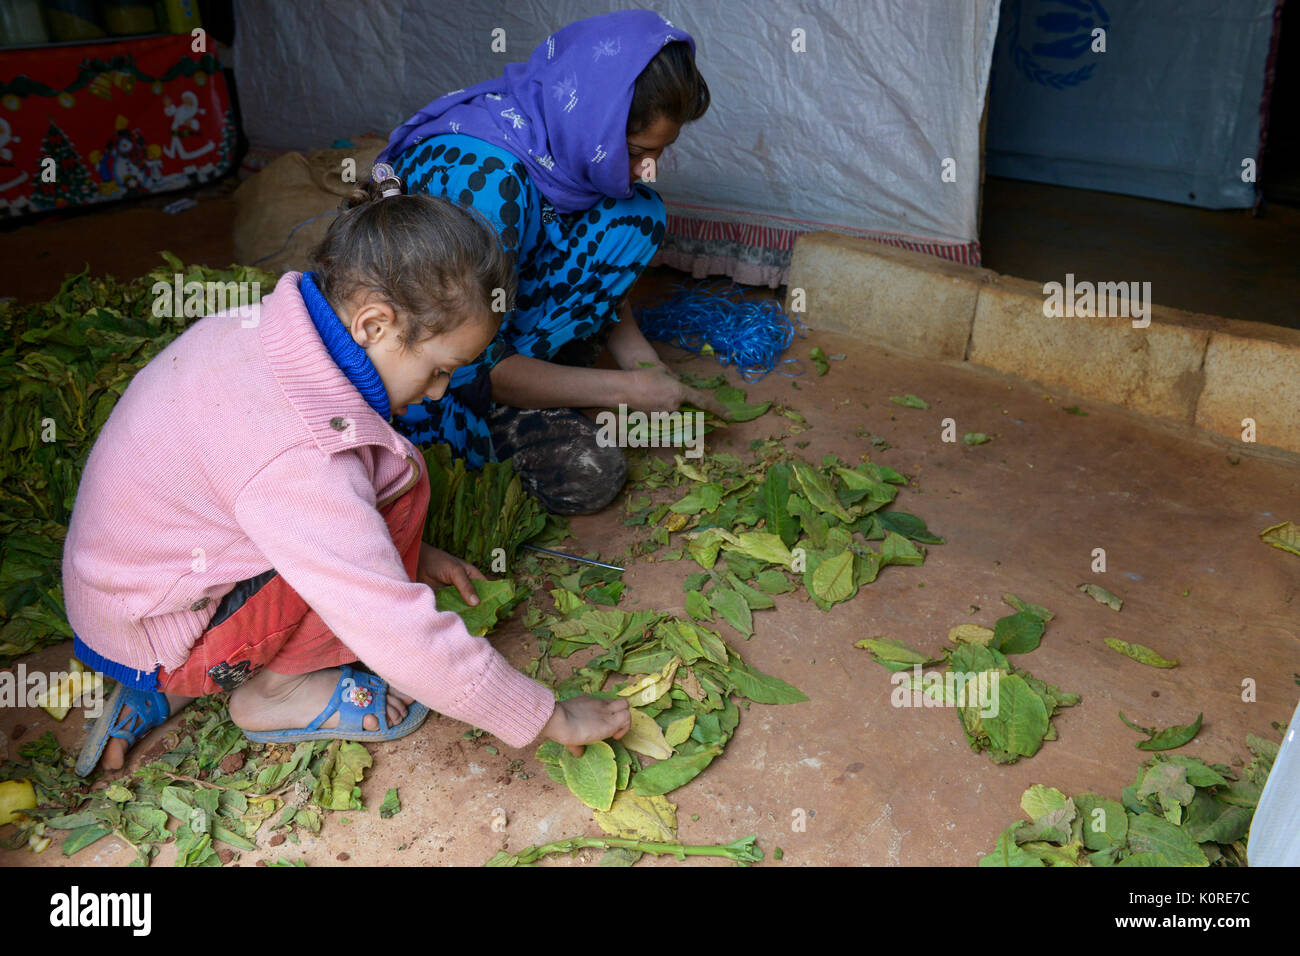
column 742, row 851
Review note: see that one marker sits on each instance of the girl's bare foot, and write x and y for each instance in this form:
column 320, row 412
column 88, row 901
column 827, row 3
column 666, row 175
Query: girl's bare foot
column 271, row 701
column 114, row 756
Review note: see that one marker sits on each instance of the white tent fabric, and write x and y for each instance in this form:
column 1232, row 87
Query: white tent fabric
column 858, row 116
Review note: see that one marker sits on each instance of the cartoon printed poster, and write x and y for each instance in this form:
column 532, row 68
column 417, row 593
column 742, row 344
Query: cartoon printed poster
column 89, row 123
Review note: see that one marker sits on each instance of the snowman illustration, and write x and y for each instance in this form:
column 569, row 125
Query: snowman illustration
column 124, row 161
column 185, row 123
column 7, row 158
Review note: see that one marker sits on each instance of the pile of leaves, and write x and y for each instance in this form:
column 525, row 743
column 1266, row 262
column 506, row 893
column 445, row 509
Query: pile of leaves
column 682, row 682
column 474, row 513
column 1180, row 811
column 218, row 787
column 1025, row 706
column 778, row 515
column 63, row 365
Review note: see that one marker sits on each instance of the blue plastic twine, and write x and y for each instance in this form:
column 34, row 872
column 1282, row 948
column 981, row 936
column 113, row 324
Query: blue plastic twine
column 748, row 334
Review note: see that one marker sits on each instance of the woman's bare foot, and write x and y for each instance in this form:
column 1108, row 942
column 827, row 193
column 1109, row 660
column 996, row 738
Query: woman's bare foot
column 271, row 701
column 114, row 756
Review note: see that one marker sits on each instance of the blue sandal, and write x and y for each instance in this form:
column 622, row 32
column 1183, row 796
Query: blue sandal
column 356, row 695
column 149, row 709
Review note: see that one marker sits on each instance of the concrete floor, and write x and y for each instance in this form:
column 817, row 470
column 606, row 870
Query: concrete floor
column 882, row 785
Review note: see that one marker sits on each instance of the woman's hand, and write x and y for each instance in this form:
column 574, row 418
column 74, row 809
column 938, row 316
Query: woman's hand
column 656, row 389
column 437, row 568
column 584, row 720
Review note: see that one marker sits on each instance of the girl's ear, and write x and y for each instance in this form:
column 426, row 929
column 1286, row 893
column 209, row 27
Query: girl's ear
column 372, row 321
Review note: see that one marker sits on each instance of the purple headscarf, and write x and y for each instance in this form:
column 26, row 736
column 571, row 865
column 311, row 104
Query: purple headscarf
column 564, row 112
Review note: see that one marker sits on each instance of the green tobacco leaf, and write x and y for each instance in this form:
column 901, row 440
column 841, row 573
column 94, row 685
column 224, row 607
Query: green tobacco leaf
column 1007, row 853
column 1021, row 722
column 1017, row 633
column 1168, row 783
column 1139, row 653
column 593, row 776
column 817, row 489
column 83, row 837
column 1149, row 731
column 733, row 608
column 339, row 786
column 774, row 493
column 1149, row 833
column 1145, row 860
column 496, row 599
column 1285, row 536
column 1105, row 823
column 697, row 606
column 1034, row 609
column 1172, row 737
column 1102, row 596
column 893, row 655
column 820, row 361
column 1199, row 773
column 391, row 806
column 733, row 399
column 1212, row 821
column 975, row 438
column 667, row 775
column 896, row 549
column 833, row 582
column 757, row 600
column 909, row 401
column 762, row 688
column 773, row 581
column 909, row 526
column 762, row 545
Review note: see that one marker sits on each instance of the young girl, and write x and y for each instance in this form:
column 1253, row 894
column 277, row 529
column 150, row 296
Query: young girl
column 248, row 520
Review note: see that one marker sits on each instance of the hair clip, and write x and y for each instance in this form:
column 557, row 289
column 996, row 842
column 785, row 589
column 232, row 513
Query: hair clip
column 382, row 173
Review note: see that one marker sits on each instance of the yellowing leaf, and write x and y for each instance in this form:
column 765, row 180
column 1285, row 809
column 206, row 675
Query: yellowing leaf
column 634, row 816
column 679, row 731
column 645, row 737
column 651, row 687
column 1285, row 536
column 970, row 634
column 1039, row 800
column 593, row 776
column 1139, row 652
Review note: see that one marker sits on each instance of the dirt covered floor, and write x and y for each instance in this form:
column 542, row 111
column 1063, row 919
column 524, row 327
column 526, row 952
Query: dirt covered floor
column 1177, row 514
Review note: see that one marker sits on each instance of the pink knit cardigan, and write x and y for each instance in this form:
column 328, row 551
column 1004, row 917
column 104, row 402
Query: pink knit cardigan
column 243, row 447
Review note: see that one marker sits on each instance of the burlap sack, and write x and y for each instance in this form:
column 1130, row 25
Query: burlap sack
column 291, row 190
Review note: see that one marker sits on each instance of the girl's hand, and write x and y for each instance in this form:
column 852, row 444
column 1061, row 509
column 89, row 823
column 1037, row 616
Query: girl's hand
column 656, row 389
column 437, row 568
column 584, row 720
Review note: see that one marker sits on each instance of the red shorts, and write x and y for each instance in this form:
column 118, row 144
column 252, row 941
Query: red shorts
column 276, row 629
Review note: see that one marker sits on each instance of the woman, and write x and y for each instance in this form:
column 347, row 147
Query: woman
column 555, row 154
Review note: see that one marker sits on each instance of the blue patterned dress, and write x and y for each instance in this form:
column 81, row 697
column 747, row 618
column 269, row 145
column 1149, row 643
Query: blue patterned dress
column 574, row 270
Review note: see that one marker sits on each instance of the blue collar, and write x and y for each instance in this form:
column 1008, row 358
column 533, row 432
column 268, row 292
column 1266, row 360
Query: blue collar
column 351, row 358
